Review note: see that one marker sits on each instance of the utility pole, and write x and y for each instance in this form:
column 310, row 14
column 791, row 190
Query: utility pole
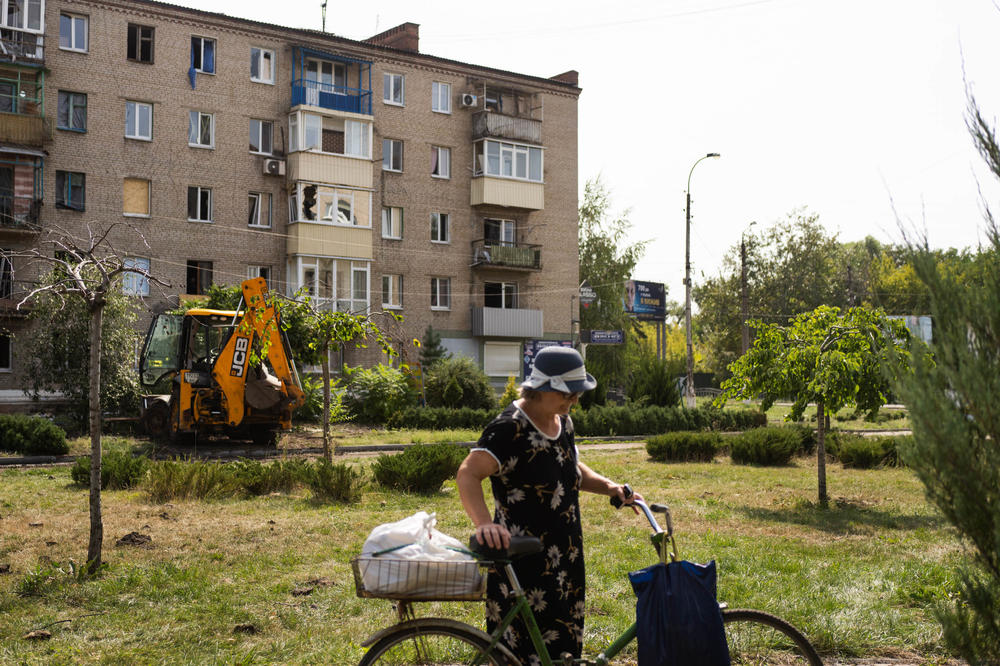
column 744, row 298
column 689, row 383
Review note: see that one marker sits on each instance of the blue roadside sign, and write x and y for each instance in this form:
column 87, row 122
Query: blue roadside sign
column 606, row 337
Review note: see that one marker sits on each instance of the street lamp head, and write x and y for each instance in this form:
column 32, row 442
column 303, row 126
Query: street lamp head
column 713, row 155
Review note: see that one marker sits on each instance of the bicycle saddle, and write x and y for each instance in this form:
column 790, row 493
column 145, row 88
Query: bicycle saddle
column 519, row 547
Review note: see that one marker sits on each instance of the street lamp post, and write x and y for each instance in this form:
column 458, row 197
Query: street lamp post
column 689, row 383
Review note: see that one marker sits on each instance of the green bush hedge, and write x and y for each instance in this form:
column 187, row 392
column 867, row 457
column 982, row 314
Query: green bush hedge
column 683, row 446
column 335, row 482
column 420, row 468
column 765, row 446
column 866, row 452
column 31, row 435
column 458, row 381
column 807, row 437
column 119, row 469
column 440, row 418
column 280, row 476
column 613, row 420
column 374, row 394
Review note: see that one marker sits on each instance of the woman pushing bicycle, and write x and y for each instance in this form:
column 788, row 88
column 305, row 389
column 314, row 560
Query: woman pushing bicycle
column 528, row 452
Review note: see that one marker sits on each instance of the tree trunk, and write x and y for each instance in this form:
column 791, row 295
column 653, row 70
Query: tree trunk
column 821, row 453
column 327, row 452
column 96, row 522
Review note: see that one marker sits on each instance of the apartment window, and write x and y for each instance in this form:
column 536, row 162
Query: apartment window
column 392, row 155
column 500, row 295
column 337, row 206
column 261, row 132
column 136, row 283
column 392, row 292
column 16, row 17
column 6, row 353
column 356, row 138
column 499, row 232
column 359, row 289
column 441, row 97
column 201, row 129
column 71, row 188
column 199, row 276
column 261, row 65
column 259, row 272
column 135, row 197
column 440, row 231
column 440, row 162
column 6, row 275
column 260, row 210
column 203, row 55
column 72, row 113
column 502, row 359
column 140, row 43
column 392, row 222
column 139, row 121
column 199, row 205
column 440, row 293
column 392, row 89
column 508, row 160
column 72, row 29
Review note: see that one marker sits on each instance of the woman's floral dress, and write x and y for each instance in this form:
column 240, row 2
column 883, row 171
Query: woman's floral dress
column 536, row 493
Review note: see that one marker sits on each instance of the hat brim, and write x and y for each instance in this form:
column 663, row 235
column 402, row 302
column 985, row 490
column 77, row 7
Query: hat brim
column 574, row 386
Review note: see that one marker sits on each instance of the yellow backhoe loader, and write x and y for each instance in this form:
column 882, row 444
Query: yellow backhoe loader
column 198, row 371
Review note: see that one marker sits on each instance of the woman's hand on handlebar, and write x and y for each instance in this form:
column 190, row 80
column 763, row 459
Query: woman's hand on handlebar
column 493, row 535
column 625, row 495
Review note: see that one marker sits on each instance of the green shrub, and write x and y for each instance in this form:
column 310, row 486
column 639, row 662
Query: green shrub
column 807, row 437
column 511, row 392
column 602, row 420
column 330, row 482
column 457, row 380
column 119, row 470
column 653, row 380
column 868, row 452
column 31, row 435
column 420, row 468
column 190, row 479
column 373, row 394
column 683, row 446
column 280, row 476
column 312, row 409
column 765, row 446
column 440, row 418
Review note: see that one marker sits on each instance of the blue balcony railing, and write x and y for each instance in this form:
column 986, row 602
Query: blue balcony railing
column 329, row 96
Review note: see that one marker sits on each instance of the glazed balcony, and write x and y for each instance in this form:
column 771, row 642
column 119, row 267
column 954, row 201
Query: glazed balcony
column 331, row 81
column 309, row 238
column 490, row 124
column 330, row 168
column 19, row 213
column 506, row 323
column 507, row 192
column 494, row 254
column 22, row 47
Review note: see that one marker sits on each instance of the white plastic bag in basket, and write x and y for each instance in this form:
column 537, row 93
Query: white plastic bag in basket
column 408, row 569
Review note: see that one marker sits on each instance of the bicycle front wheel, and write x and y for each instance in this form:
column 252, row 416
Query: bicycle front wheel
column 757, row 638
column 437, row 642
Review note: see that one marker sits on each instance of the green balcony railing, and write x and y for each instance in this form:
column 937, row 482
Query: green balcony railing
column 493, row 253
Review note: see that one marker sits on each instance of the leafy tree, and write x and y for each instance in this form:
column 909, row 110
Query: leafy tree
column 952, row 402
column 607, row 261
column 84, row 271
column 431, row 349
column 823, row 357
column 458, row 381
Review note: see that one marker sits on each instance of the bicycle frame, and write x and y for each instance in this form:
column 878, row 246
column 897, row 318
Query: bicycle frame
column 522, row 608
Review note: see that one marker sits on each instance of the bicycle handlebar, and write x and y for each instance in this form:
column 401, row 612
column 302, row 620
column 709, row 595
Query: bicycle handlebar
column 660, row 508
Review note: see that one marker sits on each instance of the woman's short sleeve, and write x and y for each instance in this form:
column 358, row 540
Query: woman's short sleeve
column 498, row 439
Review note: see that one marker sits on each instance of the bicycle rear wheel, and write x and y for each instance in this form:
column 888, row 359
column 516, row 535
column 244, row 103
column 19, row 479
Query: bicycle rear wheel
column 757, row 638
column 437, row 642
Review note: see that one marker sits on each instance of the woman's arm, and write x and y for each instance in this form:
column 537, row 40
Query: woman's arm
column 477, row 466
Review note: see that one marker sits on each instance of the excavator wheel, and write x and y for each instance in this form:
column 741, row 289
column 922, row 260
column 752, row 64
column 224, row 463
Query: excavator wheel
column 156, row 420
column 266, row 438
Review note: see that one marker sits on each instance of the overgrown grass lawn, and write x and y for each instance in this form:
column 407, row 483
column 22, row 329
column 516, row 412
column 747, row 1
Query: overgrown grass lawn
column 859, row 578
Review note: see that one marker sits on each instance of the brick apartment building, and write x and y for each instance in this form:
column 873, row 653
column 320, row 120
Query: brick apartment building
column 374, row 176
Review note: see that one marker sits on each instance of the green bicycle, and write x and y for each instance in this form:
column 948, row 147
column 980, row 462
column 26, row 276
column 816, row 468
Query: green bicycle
column 754, row 637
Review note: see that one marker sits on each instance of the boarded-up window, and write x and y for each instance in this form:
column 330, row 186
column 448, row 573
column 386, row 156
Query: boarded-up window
column 136, row 196
column 502, row 359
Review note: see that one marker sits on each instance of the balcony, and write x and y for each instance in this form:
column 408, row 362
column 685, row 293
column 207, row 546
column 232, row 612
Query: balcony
column 493, row 254
column 507, row 192
column 331, row 97
column 308, row 238
column 489, row 124
column 21, row 47
column 19, row 213
column 506, row 323
column 29, row 130
column 330, row 168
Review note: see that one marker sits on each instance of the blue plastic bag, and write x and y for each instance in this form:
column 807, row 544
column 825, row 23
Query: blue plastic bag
column 678, row 618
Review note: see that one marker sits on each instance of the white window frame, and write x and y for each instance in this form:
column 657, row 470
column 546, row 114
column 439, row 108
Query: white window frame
column 357, row 131
column 502, row 359
column 261, row 134
column 441, row 97
column 443, row 166
column 257, row 271
column 505, row 226
column 73, row 46
column 512, row 151
column 436, row 293
column 262, row 211
column 328, row 206
column 137, row 106
column 258, row 53
column 391, row 221
column 136, row 284
column 391, row 145
column 205, row 220
column 32, row 9
column 325, row 196
column 441, row 228
column 392, row 84
column 392, row 285
column 215, row 54
column 194, row 118
column 506, row 289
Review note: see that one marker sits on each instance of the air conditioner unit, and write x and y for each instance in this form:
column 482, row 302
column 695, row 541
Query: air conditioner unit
column 274, row 167
column 468, row 100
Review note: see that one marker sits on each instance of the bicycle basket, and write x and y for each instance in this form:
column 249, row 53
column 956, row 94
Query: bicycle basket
column 418, row 580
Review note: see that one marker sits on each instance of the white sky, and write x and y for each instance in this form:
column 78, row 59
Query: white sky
column 844, row 107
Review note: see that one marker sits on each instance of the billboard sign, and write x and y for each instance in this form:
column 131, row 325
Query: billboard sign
column 646, row 300
column 532, row 347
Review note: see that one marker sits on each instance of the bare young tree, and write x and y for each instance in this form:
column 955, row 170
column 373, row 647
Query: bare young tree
column 86, row 267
